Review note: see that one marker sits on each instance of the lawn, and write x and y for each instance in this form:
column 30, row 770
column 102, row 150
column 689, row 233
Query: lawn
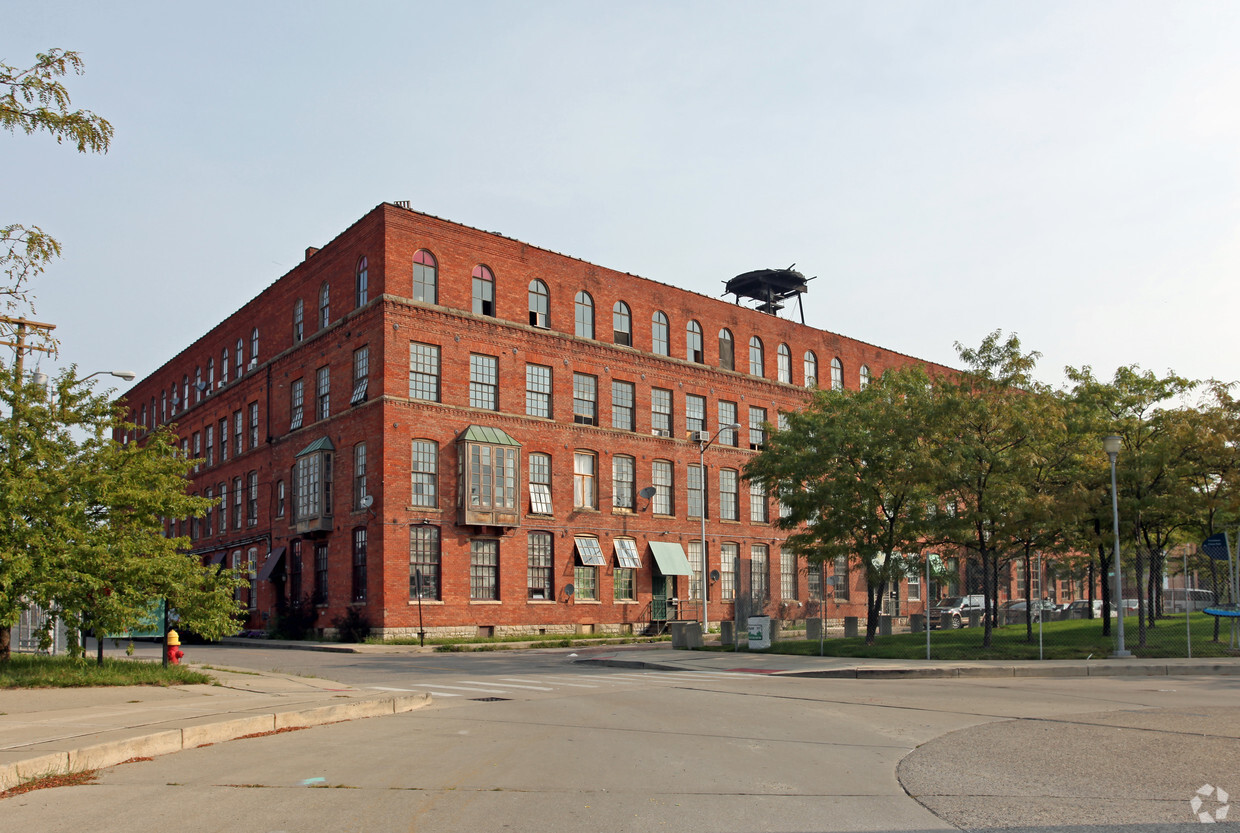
column 41, row 671
column 1070, row 639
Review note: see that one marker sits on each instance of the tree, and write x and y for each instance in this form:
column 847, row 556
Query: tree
column 985, row 421
column 850, row 472
column 35, row 100
column 84, row 518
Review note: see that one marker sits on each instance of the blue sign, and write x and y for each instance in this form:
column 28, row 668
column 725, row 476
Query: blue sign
column 1217, row 546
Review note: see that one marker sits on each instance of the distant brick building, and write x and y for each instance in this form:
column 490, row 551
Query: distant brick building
column 421, row 408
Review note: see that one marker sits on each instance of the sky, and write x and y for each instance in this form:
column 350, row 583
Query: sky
column 1064, row 171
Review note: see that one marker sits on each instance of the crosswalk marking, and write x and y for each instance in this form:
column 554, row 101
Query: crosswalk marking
column 511, row 685
column 507, row 685
column 473, row 688
column 555, row 680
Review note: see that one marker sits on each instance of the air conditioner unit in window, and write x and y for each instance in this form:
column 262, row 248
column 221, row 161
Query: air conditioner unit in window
column 253, row 364
column 699, row 436
column 660, row 432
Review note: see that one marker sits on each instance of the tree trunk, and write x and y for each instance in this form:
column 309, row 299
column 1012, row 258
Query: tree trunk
column 988, row 564
column 1028, row 596
column 1214, row 587
column 6, row 636
column 873, row 609
column 99, row 649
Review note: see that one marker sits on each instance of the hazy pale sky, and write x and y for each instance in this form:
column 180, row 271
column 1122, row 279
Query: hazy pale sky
column 1065, row 171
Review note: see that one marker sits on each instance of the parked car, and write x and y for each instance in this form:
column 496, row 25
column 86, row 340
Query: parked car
column 1079, row 609
column 1013, row 612
column 955, row 610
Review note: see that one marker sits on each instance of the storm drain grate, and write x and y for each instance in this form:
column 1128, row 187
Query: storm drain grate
column 489, row 699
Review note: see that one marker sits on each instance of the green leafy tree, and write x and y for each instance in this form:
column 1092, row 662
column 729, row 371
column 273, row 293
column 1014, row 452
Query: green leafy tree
column 851, row 471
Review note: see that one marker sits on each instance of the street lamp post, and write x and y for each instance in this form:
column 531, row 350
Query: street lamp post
column 705, row 582
column 1111, row 446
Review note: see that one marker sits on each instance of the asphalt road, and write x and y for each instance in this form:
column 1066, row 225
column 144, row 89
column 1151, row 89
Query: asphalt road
column 531, row 742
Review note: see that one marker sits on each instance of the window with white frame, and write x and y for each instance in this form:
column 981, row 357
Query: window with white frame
column 361, row 282
column 585, row 471
column 299, row 323
column 695, row 412
column 483, row 291
column 693, row 342
column 622, row 324
column 759, row 573
column 729, row 498
column 361, row 374
column 253, row 425
column 540, row 304
column 661, row 412
column 837, row 374
column 359, row 476
column 811, row 369
column 694, row 488
column 540, row 484
column 694, row 551
column 662, row 476
column 787, row 574
column 424, row 467
column 757, row 429
column 280, row 498
column 424, row 371
column 757, row 357
column 359, row 564
column 783, row 361
column 538, row 391
column 660, row 344
column 483, row 382
column 622, row 405
column 424, row 562
column 759, row 506
column 841, row 581
column 325, row 305
column 484, row 570
column 583, row 315
column 251, row 503
column 727, row 416
column 323, row 392
column 729, row 553
column 585, row 399
column 864, row 380
column 312, row 483
column 296, row 404
column 623, row 482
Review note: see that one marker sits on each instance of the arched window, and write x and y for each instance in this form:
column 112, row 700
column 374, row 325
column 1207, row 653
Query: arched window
column 540, row 304
column 254, row 347
column 811, row 369
column 299, row 317
column 837, row 374
column 240, row 357
column 584, row 315
column 425, row 277
column 622, row 324
column 224, row 366
column 659, row 335
column 784, row 362
column 757, row 357
column 198, row 385
column 325, row 305
column 362, row 282
column 727, row 350
column 484, row 291
column 693, row 342
column 210, row 374
column 865, row 376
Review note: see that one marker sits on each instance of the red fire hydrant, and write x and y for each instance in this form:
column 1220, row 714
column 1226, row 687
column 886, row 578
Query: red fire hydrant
column 174, row 648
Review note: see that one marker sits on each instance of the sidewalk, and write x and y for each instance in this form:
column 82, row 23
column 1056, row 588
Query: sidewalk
column 60, row 730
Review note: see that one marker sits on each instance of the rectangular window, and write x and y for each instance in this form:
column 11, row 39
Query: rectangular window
column 664, row 487
column 197, row 448
column 237, row 498
column 223, row 439
column 483, row 382
column 695, row 413
column 787, row 574
column 622, row 395
column 585, row 469
column 320, row 573
column 209, row 445
column 540, row 484
column 760, row 573
column 297, row 404
column 759, row 507
column 586, row 580
column 361, row 375
column 695, row 492
column 484, row 296
column 323, row 392
column 538, row 391
column 253, row 425
column 312, row 486
column 279, row 498
column 359, row 475
column 223, row 507
column 757, row 434
column 359, row 564
column 914, row 586
column 492, row 477
column 238, row 428
column 729, row 500
column 728, row 555
column 424, row 463
column 484, row 570
column 252, row 573
column 251, row 501
column 727, row 416
column 623, row 482
column 624, row 584
column 585, row 399
column 694, row 551
column 840, row 579
column 424, row 562
column 813, row 582
column 661, row 412
column 424, row 371
column 538, row 567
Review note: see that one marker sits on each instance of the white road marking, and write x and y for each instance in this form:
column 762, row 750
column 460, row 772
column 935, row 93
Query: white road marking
column 509, row 685
column 471, row 688
column 557, row 682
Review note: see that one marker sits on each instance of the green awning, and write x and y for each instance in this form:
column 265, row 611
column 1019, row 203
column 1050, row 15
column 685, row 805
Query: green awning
column 492, row 436
column 671, row 559
column 321, row 444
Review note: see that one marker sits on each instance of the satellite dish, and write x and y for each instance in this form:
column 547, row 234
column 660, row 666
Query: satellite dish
column 714, row 575
column 367, row 501
column 201, row 386
column 648, row 492
column 569, row 590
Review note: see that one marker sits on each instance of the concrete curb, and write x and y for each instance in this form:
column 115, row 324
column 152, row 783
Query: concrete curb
column 101, row 755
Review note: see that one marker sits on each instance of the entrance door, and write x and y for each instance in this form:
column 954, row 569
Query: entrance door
column 662, row 588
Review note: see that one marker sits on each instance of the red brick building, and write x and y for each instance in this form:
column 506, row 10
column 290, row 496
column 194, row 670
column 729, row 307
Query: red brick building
column 423, row 408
